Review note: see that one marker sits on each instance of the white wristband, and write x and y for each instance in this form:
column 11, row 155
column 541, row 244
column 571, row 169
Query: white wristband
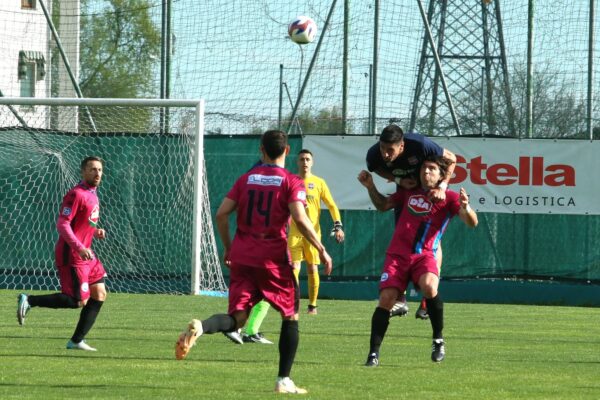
column 468, row 208
column 443, row 186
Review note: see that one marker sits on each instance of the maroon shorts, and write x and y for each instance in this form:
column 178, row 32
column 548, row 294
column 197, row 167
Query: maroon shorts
column 398, row 270
column 249, row 285
column 75, row 280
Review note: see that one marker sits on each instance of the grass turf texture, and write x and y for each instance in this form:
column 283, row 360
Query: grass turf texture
column 493, row 352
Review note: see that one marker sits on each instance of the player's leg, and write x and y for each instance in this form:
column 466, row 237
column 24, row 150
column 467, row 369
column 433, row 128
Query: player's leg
column 257, row 316
column 379, row 323
column 422, row 310
column 69, row 298
column 312, row 268
column 92, row 292
column 279, row 287
column 428, row 283
column 243, row 294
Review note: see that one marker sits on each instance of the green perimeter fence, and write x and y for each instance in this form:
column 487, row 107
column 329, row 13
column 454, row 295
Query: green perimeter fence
column 506, row 247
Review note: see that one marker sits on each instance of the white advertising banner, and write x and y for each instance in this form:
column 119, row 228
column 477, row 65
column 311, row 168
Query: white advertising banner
column 501, row 175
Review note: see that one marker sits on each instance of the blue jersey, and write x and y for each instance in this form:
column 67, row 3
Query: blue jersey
column 416, row 148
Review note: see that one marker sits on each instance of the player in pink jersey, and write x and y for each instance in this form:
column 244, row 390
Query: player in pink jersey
column 80, row 272
column 411, row 253
column 263, row 200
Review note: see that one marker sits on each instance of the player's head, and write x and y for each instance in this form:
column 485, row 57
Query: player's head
column 305, row 161
column 274, row 144
column 91, row 170
column 391, row 142
column 433, row 170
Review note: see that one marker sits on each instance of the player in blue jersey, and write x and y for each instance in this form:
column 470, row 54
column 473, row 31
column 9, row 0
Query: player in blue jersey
column 398, row 157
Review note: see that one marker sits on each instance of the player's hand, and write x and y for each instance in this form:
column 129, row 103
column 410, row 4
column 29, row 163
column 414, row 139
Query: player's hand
column 464, row 198
column 85, row 253
column 366, row 179
column 326, row 261
column 100, row 234
column 226, row 259
column 437, row 194
column 339, row 236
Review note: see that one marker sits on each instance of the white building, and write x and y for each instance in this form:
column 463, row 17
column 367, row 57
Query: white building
column 27, row 48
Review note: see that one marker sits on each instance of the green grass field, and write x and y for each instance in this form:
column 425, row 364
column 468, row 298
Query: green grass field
column 493, row 352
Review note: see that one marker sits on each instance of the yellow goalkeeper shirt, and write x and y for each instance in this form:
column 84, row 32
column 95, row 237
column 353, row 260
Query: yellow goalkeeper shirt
column 316, row 191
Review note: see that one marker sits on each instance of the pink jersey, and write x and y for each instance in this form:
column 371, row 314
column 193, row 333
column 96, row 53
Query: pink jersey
column 79, row 214
column 422, row 223
column 263, row 195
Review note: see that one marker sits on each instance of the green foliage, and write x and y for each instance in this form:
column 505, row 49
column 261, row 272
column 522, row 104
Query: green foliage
column 493, row 352
column 120, row 47
column 327, row 121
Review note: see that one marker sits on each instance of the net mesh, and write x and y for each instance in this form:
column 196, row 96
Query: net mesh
column 237, row 56
column 146, row 196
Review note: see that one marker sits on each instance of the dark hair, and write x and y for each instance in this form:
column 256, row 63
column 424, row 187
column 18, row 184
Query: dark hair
column 305, row 151
column 391, row 134
column 274, row 142
column 442, row 162
column 86, row 160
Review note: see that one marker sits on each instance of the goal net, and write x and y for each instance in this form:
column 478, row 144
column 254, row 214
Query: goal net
column 154, row 202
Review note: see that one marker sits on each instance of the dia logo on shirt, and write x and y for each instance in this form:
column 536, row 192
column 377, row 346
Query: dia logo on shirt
column 94, row 216
column 419, row 204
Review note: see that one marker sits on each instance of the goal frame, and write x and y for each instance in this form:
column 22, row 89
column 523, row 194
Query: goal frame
column 197, row 104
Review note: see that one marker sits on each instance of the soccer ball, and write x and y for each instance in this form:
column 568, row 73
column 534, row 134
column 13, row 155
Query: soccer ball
column 302, row 30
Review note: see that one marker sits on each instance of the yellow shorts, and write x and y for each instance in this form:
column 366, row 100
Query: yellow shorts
column 302, row 250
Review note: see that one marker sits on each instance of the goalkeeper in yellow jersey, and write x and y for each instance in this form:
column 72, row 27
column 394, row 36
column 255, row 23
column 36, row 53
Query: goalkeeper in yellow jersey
column 300, row 249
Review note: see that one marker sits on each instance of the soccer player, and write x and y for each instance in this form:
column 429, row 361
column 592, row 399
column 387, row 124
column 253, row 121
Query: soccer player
column 411, row 252
column 80, row 272
column 263, row 200
column 317, row 191
column 398, row 157
column 300, row 248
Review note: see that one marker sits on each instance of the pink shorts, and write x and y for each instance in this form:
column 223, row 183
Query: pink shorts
column 249, row 285
column 398, row 270
column 75, row 280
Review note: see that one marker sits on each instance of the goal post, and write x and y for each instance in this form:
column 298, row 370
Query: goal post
column 154, row 198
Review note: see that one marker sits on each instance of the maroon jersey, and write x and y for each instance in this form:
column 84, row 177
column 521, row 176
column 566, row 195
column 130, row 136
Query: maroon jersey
column 263, row 195
column 422, row 223
column 79, row 214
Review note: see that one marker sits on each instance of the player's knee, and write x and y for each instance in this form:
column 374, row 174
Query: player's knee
column 429, row 291
column 387, row 298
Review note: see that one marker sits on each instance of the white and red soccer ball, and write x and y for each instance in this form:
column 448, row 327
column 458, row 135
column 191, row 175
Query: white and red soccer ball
column 302, row 30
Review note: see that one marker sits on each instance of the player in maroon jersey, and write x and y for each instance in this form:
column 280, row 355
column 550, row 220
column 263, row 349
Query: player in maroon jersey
column 80, row 272
column 258, row 257
column 411, row 253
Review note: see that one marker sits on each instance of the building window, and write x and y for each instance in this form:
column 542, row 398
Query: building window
column 28, row 4
column 27, row 79
column 32, row 68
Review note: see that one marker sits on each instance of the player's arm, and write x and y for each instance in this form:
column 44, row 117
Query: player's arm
column 439, row 193
column 385, row 174
column 381, row 202
column 334, row 211
column 69, row 209
column 308, row 231
column 466, row 213
column 226, row 208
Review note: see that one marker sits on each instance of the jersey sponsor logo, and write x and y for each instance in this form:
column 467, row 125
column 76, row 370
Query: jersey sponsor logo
column 265, row 180
column 85, row 287
column 384, row 277
column 66, row 211
column 302, row 195
column 419, row 204
column 94, row 216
